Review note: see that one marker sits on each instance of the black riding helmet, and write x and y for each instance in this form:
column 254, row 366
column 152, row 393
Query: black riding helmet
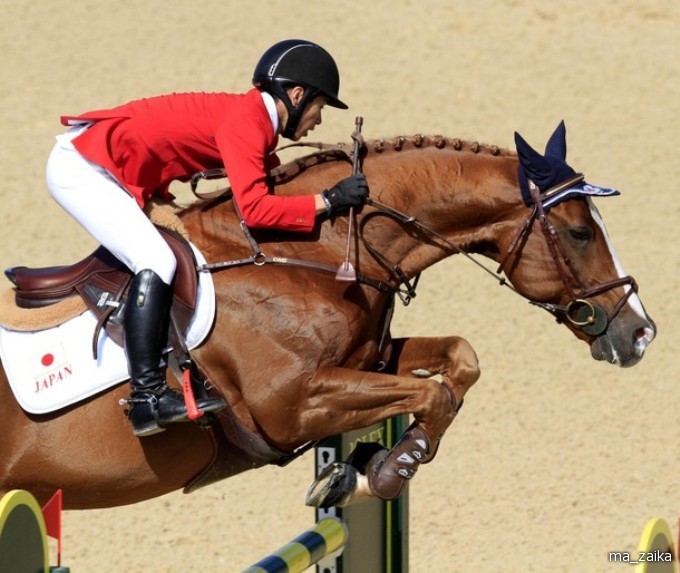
column 298, row 62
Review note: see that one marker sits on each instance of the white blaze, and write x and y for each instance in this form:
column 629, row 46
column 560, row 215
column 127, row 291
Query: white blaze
column 633, row 300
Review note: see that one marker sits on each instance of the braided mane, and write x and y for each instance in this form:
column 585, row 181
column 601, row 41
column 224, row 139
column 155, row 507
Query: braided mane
column 418, row 141
column 405, row 142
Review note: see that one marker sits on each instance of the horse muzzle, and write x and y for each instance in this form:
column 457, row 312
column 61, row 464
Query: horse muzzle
column 620, row 337
column 625, row 341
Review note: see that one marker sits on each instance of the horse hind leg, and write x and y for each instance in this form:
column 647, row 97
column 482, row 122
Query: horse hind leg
column 374, row 471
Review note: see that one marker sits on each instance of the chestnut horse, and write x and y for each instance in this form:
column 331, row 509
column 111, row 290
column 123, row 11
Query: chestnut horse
column 300, row 356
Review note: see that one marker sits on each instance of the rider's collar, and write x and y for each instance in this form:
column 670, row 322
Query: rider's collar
column 270, row 104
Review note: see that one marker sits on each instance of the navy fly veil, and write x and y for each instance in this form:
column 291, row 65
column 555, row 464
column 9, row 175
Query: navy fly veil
column 550, row 170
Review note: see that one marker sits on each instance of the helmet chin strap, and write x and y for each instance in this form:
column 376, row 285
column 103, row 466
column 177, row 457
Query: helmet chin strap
column 295, row 112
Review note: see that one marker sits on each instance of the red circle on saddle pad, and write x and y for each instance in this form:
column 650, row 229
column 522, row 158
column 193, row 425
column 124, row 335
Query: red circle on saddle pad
column 47, row 359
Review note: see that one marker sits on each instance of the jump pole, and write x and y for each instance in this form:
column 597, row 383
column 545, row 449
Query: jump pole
column 326, row 538
column 378, row 530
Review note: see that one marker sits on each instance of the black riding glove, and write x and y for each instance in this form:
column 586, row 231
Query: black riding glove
column 350, row 192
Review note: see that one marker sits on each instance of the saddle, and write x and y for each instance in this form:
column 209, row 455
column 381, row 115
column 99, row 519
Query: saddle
column 102, row 281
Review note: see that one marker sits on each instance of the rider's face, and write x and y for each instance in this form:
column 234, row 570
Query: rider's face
column 311, row 117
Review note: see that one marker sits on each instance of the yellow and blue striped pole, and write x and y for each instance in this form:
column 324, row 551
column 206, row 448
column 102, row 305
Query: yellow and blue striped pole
column 328, row 536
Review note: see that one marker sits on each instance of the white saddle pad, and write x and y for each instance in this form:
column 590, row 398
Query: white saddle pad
column 54, row 368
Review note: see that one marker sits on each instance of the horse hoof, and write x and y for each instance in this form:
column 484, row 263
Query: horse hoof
column 339, row 485
column 334, row 486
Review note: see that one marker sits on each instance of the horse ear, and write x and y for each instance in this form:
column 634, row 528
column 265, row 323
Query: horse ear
column 557, row 144
column 535, row 165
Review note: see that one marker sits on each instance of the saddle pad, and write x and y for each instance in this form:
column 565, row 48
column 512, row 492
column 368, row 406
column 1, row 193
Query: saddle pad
column 54, row 368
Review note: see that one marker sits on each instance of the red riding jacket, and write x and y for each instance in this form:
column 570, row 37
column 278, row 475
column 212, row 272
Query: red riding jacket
column 148, row 143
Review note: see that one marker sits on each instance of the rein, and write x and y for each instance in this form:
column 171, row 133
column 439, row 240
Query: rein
column 399, row 276
column 258, row 258
column 579, row 311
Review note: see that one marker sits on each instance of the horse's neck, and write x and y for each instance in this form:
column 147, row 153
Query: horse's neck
column 470, row 199
column 461, row 190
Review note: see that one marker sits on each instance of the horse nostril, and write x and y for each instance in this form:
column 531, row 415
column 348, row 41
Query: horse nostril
column 642, row 337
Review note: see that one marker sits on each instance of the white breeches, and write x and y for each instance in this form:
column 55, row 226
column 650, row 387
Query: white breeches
column 106, row 210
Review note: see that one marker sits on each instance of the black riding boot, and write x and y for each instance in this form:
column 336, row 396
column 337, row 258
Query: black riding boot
column 146, row 317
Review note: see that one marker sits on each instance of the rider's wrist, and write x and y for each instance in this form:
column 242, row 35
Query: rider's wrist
column 326, row 202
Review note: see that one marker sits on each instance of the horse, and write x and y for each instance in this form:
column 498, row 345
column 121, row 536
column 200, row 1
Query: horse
column 300, row 356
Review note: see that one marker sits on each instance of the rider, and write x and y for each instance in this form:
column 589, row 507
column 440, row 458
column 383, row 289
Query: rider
column 105, row 168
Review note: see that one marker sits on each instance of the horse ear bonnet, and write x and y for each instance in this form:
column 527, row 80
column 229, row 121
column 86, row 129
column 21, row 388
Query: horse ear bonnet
column 551, row 169
column 547, row 170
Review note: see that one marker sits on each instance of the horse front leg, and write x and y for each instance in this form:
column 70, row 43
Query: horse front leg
column 387, row 472
column 454, row 360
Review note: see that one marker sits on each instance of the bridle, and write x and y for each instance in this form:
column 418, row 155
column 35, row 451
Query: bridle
column 581, row 312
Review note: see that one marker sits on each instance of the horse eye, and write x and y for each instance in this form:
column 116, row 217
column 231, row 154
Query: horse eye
column 581, row 234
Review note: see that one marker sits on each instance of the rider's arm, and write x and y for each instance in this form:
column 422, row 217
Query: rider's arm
column 244, row 142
